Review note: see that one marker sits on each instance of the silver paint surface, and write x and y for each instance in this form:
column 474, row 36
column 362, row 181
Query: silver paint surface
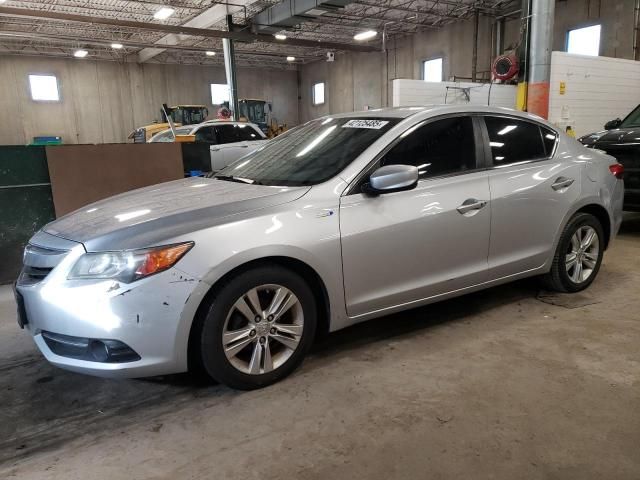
column 374, row 254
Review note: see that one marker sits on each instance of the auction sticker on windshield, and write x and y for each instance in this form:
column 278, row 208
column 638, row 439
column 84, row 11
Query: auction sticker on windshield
column 373, row 124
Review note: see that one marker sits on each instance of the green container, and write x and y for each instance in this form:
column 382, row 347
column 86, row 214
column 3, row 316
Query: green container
column 47, row 141
column 26, row 203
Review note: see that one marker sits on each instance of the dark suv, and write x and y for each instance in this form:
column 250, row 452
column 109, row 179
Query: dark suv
column 621, row 139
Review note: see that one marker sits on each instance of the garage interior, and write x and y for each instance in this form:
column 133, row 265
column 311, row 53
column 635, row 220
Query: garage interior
column 510, row 382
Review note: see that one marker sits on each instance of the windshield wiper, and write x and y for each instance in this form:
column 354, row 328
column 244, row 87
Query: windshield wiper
column 231, row 178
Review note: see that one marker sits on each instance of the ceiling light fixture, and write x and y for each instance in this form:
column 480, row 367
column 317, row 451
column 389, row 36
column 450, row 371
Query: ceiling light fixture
column 280, row 36
column 291, row 59
column 211, row 53
column 365, row 35
column 80, row 53
column 117, row 46
column 163, row 13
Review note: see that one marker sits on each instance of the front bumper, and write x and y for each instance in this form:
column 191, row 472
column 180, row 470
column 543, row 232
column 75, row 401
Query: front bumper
column 151, row 316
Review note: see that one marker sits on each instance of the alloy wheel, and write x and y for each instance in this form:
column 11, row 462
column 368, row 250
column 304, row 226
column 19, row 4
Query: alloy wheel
column 582, row 256
column 263, row 329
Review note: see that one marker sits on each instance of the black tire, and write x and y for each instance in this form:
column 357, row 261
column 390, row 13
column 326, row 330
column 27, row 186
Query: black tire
column 558, row 278
column 207, row 339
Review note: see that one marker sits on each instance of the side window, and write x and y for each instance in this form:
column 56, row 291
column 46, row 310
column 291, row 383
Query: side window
column 206, row 135
column 437, row 148
column 514, row 141
column 550, row 138
column 246, row 132
column 228, row 134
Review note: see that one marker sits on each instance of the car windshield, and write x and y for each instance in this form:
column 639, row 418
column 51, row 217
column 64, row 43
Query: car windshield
column 167, row 135
column 632, row 120
column 309, row 154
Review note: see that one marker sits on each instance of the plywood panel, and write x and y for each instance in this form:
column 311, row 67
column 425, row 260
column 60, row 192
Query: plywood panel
column 597, row 89
column 81, row 174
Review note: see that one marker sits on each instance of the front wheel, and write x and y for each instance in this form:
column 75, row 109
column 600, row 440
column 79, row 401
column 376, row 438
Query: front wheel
column 258, row 328
column 578, row 256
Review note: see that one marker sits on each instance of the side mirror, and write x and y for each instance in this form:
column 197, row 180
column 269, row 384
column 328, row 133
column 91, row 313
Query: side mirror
column 613, row 124
column 392, row 178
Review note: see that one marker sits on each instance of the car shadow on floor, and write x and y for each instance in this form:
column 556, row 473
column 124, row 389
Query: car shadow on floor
column 630, row 224
column 44, row 407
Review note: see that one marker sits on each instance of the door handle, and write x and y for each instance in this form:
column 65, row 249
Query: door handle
column 471, row 204
column 244, row 146
column 562, row 182
column 215, row 149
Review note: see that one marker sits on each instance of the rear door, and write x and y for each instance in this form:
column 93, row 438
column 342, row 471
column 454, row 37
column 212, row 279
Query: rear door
column 532, row 190
column 399, row 248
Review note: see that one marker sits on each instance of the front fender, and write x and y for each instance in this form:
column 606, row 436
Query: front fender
column 308, row 233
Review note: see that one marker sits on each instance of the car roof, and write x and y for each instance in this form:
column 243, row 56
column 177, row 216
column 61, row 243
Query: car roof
column 409, row 111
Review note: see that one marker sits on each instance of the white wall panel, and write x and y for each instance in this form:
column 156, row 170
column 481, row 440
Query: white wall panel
column 597, row 89
column 418, row 92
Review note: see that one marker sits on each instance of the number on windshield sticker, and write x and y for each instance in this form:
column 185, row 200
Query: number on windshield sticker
column 373, row 124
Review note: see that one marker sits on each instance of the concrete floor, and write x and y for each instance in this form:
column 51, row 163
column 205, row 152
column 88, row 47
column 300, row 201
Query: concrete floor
column 496, row 385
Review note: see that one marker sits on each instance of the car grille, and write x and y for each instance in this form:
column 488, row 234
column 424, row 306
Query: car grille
column 38, row 262
column 89, row 349
column 33, row 275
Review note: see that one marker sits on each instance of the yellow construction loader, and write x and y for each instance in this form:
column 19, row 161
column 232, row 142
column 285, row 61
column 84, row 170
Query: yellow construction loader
column 178, row 115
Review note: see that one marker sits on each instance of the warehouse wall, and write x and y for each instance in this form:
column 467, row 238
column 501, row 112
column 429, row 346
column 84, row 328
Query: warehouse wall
column 348, row 78
column 105, row 101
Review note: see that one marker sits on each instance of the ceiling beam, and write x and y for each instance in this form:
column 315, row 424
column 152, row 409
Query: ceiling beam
column 71, row 39
column 179, row 29
column 206, row 19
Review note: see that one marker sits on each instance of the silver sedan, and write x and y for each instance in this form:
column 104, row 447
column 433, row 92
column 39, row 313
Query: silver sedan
column 343, row 219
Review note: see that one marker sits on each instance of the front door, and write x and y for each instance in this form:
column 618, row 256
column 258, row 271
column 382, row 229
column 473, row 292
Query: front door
column 402, row 247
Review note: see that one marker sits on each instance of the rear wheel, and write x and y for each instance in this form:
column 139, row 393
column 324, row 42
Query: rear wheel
column 258, row 328
column 579, row 255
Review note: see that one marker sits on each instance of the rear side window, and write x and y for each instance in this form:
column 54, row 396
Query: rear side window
column 514, row 141
column 550, row 138
column 236, row 133
column 438, row 148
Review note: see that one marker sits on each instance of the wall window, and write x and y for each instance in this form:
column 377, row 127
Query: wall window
column 44, row 88
column 219, row 93
column 432, row 70
column 318, row 93
column 438, row 148
column 584, row 41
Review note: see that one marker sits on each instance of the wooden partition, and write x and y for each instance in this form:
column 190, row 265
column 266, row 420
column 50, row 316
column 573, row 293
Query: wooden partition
column 81, row 174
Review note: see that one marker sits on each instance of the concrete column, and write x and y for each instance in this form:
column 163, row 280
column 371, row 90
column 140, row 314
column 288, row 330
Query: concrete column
column 542, row 14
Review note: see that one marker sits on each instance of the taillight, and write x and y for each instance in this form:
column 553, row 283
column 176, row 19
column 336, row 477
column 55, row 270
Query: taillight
column 617, row 170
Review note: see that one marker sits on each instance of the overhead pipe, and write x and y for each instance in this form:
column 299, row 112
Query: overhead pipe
column 542, row 16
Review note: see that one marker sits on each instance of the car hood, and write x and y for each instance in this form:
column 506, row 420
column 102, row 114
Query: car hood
column 149, row 215
column 611, row 137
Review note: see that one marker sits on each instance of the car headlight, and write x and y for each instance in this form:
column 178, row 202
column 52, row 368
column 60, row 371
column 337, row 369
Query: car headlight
column 129, row 265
